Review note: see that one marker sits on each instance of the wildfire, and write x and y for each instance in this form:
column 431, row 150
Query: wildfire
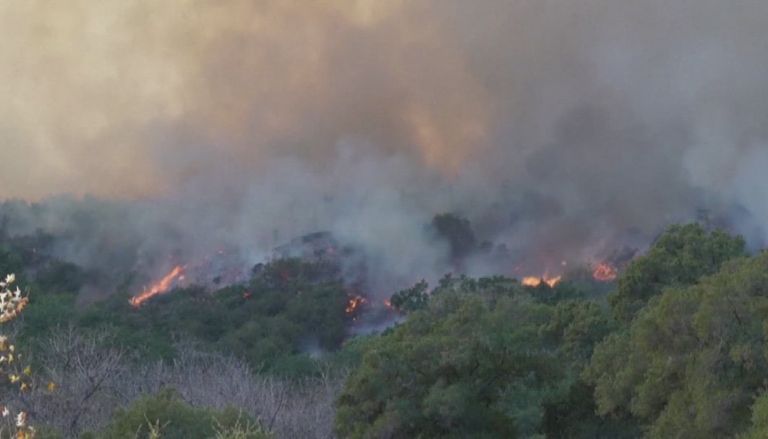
column 162, row 286
column 354, row 303
column 605, row 272
column 534, row 281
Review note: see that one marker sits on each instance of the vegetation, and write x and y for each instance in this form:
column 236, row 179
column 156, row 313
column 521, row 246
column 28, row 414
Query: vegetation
column 485, row 358
column 679, row 349
column 680, row 352
column 166, row 416
column 457, row 232
column 679, row 257
column 694, row 360
column 14, row 376
column 286, row 308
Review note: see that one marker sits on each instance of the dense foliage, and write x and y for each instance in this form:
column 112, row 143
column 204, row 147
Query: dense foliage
column 288, row 307
column 680, row 352
column 484, row 358
column 679, row 257
column 694, row 359
column 679, row 349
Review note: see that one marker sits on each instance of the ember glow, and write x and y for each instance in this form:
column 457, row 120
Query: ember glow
column 534, row 281
column 605, row 272
column 160, row 287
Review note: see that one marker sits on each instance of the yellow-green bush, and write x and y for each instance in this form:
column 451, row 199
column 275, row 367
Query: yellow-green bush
column 165, row 415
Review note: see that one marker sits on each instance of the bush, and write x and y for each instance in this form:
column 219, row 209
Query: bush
column 479, row 360
column 166, row 416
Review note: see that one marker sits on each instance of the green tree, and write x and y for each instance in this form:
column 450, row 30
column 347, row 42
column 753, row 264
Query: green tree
column 472, row 363
column 679, row 257
column 693, row 360
column 759, row 427
column 457, row 232
column 411, row 299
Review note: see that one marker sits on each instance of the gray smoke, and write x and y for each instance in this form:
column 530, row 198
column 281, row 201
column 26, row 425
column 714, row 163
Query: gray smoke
column 562, row 129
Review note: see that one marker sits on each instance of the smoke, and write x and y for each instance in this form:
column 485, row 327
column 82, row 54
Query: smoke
column 561, row 128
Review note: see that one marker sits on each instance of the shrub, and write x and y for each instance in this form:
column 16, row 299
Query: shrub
column 166, row 416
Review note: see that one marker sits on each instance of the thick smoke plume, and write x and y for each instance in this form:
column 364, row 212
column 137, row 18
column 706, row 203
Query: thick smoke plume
column 560, row 128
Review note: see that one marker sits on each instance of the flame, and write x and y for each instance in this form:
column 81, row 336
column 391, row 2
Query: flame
column 354, row 303
column 535, row 281
column 162, row 286
column 605, row 272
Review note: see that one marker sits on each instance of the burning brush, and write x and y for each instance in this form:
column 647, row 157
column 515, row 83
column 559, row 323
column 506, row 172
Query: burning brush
column 534, row 281
column 354, row 304
column 605, row 272
column 160, row 287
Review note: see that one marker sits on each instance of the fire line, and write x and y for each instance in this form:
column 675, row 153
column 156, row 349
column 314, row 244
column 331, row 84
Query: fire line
column 160, row 287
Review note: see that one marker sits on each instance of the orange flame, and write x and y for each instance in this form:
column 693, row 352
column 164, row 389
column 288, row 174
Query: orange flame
column 354, row 303
column 605, row 272
column 535, row 281
column 162, row 286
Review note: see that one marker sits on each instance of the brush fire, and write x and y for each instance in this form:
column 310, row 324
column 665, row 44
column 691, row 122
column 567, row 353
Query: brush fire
column 602, row 272
column 354, row 304
column 534, row 281
column 226, row 268
column 160, row 287
column 605, row 272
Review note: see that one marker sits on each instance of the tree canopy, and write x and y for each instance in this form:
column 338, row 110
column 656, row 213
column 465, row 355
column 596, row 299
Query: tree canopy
column 482, row 359
column 693, row 361
column 679, row 257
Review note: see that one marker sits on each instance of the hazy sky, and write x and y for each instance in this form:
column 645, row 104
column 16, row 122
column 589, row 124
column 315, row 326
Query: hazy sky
column 123, row 98
column 120, row 98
